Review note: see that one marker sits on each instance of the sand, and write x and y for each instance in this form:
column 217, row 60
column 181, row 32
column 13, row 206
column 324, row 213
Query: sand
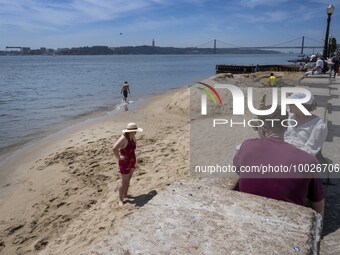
column 61, row 195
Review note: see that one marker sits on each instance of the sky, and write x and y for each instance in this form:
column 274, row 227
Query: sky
column 178, row 23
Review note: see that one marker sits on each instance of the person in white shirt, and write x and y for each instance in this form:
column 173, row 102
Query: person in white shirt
column 318, row 67
column 310, row 133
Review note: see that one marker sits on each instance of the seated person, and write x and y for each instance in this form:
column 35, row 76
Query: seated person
column 310, row 133
column 318, row 67
column 313, row 58
column 310, row 63
column 271, row 149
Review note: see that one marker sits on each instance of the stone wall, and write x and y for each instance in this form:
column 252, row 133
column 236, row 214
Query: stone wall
column 208, row 218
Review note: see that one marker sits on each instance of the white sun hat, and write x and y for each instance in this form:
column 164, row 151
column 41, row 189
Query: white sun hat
column 300, row 95
column 132, row 127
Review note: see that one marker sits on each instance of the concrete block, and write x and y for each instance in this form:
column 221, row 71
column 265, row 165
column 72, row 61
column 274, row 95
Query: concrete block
column 203, row 218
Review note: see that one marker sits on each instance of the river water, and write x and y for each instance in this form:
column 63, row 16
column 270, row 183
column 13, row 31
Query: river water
column 41, row 94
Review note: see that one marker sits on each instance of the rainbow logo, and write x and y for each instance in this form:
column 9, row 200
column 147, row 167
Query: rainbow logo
column 210, row 91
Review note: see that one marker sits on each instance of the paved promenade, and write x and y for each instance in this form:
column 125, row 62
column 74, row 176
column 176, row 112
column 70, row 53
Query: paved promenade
column 327, row 93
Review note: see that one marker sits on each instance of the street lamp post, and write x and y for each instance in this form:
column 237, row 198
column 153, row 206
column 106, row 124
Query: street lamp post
column 329, row 45
column 330, row 10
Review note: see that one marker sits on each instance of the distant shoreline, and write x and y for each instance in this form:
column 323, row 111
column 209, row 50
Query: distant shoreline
column 131, row 50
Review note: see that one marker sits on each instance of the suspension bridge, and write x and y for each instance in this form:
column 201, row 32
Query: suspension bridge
column 291, row 44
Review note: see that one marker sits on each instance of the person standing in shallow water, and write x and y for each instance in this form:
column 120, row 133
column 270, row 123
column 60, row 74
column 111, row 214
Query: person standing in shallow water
column 124, row 151
column 125, row 90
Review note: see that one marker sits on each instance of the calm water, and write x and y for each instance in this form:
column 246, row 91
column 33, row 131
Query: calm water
column 40, row 94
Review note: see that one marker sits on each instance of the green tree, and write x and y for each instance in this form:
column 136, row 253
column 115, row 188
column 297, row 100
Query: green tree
column 333, row 45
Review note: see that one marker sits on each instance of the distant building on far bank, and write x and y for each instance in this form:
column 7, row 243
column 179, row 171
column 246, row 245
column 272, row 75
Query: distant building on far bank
column 25, row 50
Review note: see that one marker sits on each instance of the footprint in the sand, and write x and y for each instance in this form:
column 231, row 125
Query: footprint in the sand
column 41, row 244
column 52, row 199
column 2, row 244
column 61, row 204
column 90, row 203
column 46, row 209
column 39, row 168
column 20, row 240
column 65, row 181
column 13, row 229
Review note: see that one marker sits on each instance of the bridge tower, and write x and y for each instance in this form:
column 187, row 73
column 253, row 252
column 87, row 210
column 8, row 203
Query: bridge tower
column 214, row 46
column 303, row 44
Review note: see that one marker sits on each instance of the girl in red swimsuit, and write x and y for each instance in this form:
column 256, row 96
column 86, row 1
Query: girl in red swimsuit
column 124, row 150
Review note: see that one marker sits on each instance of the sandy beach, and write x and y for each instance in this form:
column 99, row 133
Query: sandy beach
column 61, row 194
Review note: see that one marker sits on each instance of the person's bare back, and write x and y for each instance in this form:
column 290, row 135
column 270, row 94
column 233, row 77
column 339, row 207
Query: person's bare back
column 125, row 90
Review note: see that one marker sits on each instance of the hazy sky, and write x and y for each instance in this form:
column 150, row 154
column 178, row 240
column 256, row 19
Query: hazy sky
column 179, row 23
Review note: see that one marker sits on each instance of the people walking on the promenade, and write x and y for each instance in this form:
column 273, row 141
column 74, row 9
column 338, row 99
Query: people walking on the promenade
column 125, row 90
column 336, row 65
column 124, row 151
column 271, row 150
